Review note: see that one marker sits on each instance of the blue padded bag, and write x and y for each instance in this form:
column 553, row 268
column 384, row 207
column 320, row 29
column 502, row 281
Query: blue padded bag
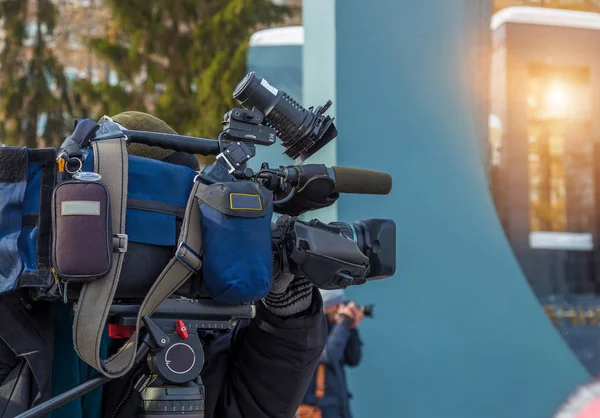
column 27, row 178
column 235, row 219
column 157, row 196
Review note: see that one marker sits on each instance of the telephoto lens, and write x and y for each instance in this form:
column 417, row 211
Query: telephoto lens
column 302, row 131
column 368, row 310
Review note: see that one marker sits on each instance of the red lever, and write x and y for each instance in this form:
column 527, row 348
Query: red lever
column 182, row 330
column 119, row 331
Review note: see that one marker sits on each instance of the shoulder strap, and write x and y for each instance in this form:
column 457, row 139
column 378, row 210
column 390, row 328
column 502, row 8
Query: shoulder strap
column 320, row 383
column 96, row 297
column 110, row 161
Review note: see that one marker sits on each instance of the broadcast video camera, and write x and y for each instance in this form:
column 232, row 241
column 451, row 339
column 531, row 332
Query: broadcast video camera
column 334, row 255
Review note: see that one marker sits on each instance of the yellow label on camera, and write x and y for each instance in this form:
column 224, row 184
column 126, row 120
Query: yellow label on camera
column 241, row 201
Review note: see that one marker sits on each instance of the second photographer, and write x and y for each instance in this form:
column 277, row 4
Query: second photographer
column 328, row 392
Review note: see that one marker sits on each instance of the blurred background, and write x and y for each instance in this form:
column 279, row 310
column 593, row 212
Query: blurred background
column 482, row 110
column 66, row 58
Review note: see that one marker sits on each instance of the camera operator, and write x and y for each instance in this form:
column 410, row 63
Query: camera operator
column 249, row 294
column 260, row 369
column 263, row 366
column 343, row 348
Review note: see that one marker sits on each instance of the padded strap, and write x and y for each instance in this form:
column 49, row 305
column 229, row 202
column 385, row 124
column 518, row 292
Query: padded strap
column 96, row 297
column 111, row 162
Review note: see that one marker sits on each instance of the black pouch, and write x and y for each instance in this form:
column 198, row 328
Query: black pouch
column 82, row 235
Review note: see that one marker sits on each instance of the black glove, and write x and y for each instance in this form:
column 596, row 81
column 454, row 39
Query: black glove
column 315, row 190
column 289, row 295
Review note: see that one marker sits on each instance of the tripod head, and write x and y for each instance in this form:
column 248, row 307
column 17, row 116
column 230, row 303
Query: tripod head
column 171, row 355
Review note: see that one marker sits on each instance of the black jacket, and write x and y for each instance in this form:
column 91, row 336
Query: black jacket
column 261, row 369
column 26, row 350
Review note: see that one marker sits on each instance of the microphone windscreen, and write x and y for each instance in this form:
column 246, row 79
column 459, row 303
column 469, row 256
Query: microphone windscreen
column 360, row 181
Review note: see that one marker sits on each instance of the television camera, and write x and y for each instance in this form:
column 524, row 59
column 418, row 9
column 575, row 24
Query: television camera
column 334, row 255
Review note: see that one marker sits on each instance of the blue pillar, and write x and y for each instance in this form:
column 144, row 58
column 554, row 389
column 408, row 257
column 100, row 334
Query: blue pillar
column 319, row 78
column 457, row 332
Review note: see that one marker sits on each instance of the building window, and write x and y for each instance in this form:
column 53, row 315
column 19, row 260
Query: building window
column 495, row 137
column 560, row 150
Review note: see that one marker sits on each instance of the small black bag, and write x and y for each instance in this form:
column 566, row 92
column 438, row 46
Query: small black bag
column 82, row 235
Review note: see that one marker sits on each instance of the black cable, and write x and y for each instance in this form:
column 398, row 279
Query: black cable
column 281, row 249
column 277, row 173
column 221, row 143
column 127, row 394
column 287, row 198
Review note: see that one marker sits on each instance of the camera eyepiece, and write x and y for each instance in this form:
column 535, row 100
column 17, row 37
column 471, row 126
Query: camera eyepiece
column 302, row 131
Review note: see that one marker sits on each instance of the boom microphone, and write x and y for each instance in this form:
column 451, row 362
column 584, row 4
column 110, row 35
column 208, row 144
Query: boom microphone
column 300, row 188
column 360, row 181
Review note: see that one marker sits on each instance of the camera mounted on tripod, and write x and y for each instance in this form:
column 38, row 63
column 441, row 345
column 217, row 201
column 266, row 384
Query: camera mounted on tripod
column 171, row 354
column 198, row 236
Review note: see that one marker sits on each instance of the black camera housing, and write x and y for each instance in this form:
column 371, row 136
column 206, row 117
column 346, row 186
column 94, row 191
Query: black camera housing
column 376, row 239
column 302, row 131
column 338, row 255
column 246, row 125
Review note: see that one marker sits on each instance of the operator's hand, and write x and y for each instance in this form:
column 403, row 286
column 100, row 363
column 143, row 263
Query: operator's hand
column 350, row 312
column 289, row 295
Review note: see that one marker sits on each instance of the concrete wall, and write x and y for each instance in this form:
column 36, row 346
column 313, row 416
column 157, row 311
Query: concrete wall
column 458, row 332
